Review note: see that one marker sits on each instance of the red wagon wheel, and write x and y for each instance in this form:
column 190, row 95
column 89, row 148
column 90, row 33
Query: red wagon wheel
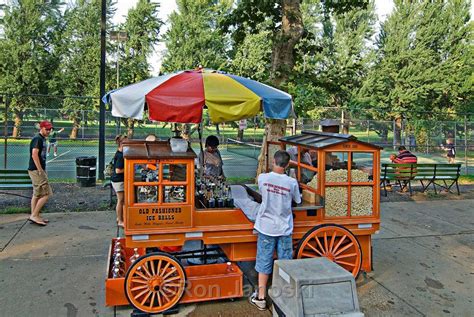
column 333, row 242
column 155, row 282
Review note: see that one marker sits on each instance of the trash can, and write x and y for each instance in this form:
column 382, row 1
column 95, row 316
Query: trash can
column 86, row 170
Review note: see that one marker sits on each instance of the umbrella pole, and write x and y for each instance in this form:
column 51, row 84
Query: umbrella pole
column 201, row 155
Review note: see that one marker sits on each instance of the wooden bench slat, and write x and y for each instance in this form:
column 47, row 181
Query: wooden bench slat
column 16, row 186
column 8, row 183
column 15, row 180
column 13, row 177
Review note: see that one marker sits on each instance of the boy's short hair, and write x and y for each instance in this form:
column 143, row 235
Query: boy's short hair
column 282, row 158
column 212, row 141
column 402, row 148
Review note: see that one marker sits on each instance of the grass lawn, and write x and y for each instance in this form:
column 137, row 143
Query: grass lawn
column 466, row 179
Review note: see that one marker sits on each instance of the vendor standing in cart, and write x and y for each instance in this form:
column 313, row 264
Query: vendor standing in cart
column 210, row 159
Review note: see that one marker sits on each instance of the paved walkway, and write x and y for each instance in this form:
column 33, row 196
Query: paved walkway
column 423, row 261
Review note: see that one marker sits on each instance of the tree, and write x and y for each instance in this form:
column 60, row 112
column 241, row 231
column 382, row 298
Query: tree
column 345, row 55
column 27, row 54
column 457, row 58
column 143, row 29
column 251, row 18
column 281, row 66
column 80, row 66
column 194, row 37
column 286, row 40
column 252, row 57
column 422, row 63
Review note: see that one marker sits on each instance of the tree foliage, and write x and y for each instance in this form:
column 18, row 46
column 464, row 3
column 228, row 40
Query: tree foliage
column 194, row 37
column 143, row 28
column 80, row 65
column 252, row 57
column 423, row 62
column 29, row 36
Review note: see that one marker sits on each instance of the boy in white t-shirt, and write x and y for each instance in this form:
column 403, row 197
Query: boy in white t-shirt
column 274, row 222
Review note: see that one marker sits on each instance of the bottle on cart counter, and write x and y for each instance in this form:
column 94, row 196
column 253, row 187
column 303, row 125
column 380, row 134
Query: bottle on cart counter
column 212, row 202
column 229, row 268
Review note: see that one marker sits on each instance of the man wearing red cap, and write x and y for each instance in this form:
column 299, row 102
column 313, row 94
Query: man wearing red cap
column 37, row 171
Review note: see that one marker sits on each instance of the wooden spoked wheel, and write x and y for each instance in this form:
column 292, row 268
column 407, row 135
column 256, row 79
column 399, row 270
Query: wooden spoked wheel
column 155, row 283
column 333, row 242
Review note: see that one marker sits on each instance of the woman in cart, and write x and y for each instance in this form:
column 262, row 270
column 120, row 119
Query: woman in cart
column 211, row 159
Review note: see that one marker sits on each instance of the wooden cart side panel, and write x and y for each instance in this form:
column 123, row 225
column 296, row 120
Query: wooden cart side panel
column 240, row 251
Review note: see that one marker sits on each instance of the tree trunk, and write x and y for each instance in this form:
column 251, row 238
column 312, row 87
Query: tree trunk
column 18, row 120
column 274, row 129
column 397, row 132
column 282, row 64
column 130, row 128
column 345, row 122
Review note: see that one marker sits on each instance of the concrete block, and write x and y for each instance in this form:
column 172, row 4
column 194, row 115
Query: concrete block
column 313, row 287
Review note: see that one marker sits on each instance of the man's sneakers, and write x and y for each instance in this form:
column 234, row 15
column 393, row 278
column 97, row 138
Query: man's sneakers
column 261, row 304
column 55, row 154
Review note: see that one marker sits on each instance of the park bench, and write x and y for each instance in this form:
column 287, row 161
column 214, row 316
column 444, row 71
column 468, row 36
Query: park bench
column 441, row 175
column 14, row 180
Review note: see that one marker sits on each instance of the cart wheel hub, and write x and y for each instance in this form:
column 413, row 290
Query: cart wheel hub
column 156, row 283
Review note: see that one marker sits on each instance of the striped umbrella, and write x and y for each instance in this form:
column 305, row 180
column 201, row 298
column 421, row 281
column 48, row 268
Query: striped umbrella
column 181, row 97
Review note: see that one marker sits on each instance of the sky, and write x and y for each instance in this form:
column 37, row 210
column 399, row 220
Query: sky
column 382, row 7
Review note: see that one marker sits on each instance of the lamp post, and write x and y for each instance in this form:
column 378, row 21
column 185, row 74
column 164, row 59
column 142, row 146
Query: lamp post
column 103, row 20
column 119, row 37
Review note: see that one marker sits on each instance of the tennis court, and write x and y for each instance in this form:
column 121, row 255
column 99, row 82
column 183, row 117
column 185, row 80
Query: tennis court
column 63, row 167
column 240, row 158
column 252, row 150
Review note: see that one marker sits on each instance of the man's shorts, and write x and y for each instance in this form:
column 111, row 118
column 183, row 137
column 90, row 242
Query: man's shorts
column 40, row 183
column 266, row 245
column 118, row 186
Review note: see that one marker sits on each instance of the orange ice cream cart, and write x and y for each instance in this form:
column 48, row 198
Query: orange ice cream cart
column 164, row 210
column 168, row 207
